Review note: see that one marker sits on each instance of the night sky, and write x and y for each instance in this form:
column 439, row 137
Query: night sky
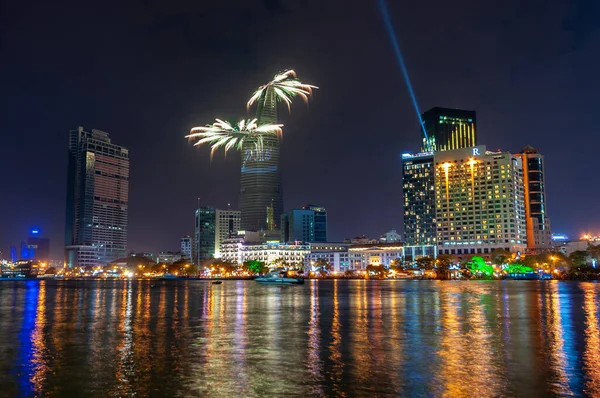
column 148, row 71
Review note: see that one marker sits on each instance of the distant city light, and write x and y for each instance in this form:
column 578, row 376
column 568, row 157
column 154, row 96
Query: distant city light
column 35, row 232
column 559, row 237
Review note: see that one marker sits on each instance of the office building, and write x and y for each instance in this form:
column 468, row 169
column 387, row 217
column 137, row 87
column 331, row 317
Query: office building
column 186, row 247
column 298, row 226
column 97, row 199
column 320, row 222
column 39, row 248
column 204, row 238
column 419, row 199
column 536, row 211
column 227, row 224
column 27, row 252
column 261, row 191
column 448, row 129
column 13, row 254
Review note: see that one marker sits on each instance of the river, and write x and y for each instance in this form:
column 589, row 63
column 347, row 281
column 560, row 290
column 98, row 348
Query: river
column 326, row 338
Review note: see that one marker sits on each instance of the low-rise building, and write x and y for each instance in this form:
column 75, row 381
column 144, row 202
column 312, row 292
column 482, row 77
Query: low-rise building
column 336, row 254
column 390, row 237
column 238, row 252
column 186, row 247
column 358, row 257
column 360, row 240
column 168, row 257
column 82, row 256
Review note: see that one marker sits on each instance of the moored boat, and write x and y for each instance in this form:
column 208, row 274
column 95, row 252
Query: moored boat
column 529, row 276
column 279, row 278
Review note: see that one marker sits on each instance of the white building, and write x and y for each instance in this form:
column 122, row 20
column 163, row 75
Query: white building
column 227, row 224
column 390, row 237
column 358, row 257
column 340, row 261
column 168, row 257
column 238, row 252
column 336, row 254
column 186, row 247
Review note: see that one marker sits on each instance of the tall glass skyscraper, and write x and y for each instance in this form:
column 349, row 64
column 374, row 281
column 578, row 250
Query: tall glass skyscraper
column 320, row 222
column 419, row 199
column 205, row 234
column 260, row 183
column 448, row 129
column 298, row 225
column 97, row 199
column 539, row 235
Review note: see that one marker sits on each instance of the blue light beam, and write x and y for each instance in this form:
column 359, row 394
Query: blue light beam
column 388, row 25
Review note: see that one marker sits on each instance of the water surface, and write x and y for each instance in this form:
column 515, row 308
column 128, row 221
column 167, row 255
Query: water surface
column 326, row 338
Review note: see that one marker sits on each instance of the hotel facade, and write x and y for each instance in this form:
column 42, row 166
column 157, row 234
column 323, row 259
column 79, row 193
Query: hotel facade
column 466, row 201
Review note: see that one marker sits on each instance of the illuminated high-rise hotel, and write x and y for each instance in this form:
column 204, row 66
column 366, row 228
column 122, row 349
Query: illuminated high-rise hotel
column 448, row 129
column 479, row 200
column 97, row 199
column 466, row 201
column 261, row 191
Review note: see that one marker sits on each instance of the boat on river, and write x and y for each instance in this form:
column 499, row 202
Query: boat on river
column 279, row 278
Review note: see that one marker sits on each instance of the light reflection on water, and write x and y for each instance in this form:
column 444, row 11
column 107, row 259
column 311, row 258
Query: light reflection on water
column 326, row 338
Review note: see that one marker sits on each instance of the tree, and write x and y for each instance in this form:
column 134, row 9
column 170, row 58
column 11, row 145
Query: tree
column 478, row 267
column 531, row 260
column 500, row 256
column 323, row 265
column 50, row 271
column 425, row 263
column 225, row 267
column 254, row 267
column 192, row 269
column 378, row 270
column 443, row 263
column 594, row 251
column 158, row 268
column 553, row 259
column 578, row 258
column 516, row 268
column 348, row 273
column 396, row 265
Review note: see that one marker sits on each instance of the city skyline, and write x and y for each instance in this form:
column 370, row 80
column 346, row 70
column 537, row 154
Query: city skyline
column 518, row 95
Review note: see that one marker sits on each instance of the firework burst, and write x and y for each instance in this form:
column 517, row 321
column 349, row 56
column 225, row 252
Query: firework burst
column 224, row 134
column 285, row 86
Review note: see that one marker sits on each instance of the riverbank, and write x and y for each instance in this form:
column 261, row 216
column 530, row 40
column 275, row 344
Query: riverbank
column 597, row 278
